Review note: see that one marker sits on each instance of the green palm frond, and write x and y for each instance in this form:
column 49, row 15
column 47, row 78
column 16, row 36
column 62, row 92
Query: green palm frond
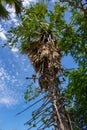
column 10, row 2
column 18, row 6
column 3, row 12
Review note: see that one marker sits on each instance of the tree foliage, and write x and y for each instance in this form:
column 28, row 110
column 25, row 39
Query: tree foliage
column 75, row 43
column 71, row 38
column 4, row 12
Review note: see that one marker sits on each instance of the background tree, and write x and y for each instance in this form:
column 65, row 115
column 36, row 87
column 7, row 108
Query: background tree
column 75, row 44
column 71, row 40
column 17, row 4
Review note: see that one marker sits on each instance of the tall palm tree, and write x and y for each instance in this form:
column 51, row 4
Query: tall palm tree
column 38, row 34
column 3, row 11
column 45, row 57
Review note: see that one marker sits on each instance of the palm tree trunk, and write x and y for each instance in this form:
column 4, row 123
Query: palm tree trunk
column 61, row 121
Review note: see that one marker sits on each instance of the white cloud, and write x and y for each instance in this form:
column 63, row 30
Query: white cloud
column 26, row 3
column 2, row 36
column 3, row 75
column 14, row 49
column 7, row 96
column 8, row 92
column 8, row 101
column 2, row 33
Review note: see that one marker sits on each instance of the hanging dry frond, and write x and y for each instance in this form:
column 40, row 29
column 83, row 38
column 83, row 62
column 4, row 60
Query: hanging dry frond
column 44, row 53
column 45, row 57
column 46, row 81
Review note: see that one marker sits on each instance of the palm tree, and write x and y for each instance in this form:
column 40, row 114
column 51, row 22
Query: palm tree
column 45, row 57
column 3, row 11
column 39, row 41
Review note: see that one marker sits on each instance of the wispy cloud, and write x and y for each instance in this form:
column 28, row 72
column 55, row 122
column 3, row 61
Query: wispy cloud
column 2, row 33
column 14, row 49
column 12, row 78
column 8, row 101
column 2, row 36
column 8, row 95
column 26, row 3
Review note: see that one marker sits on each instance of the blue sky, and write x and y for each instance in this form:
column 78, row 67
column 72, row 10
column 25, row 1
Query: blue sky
column 14, row 68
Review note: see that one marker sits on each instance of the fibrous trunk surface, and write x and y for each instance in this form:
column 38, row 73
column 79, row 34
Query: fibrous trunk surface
column 45, row 57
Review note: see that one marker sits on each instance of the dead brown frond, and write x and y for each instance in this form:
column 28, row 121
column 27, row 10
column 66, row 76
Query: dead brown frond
column 45, row 57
